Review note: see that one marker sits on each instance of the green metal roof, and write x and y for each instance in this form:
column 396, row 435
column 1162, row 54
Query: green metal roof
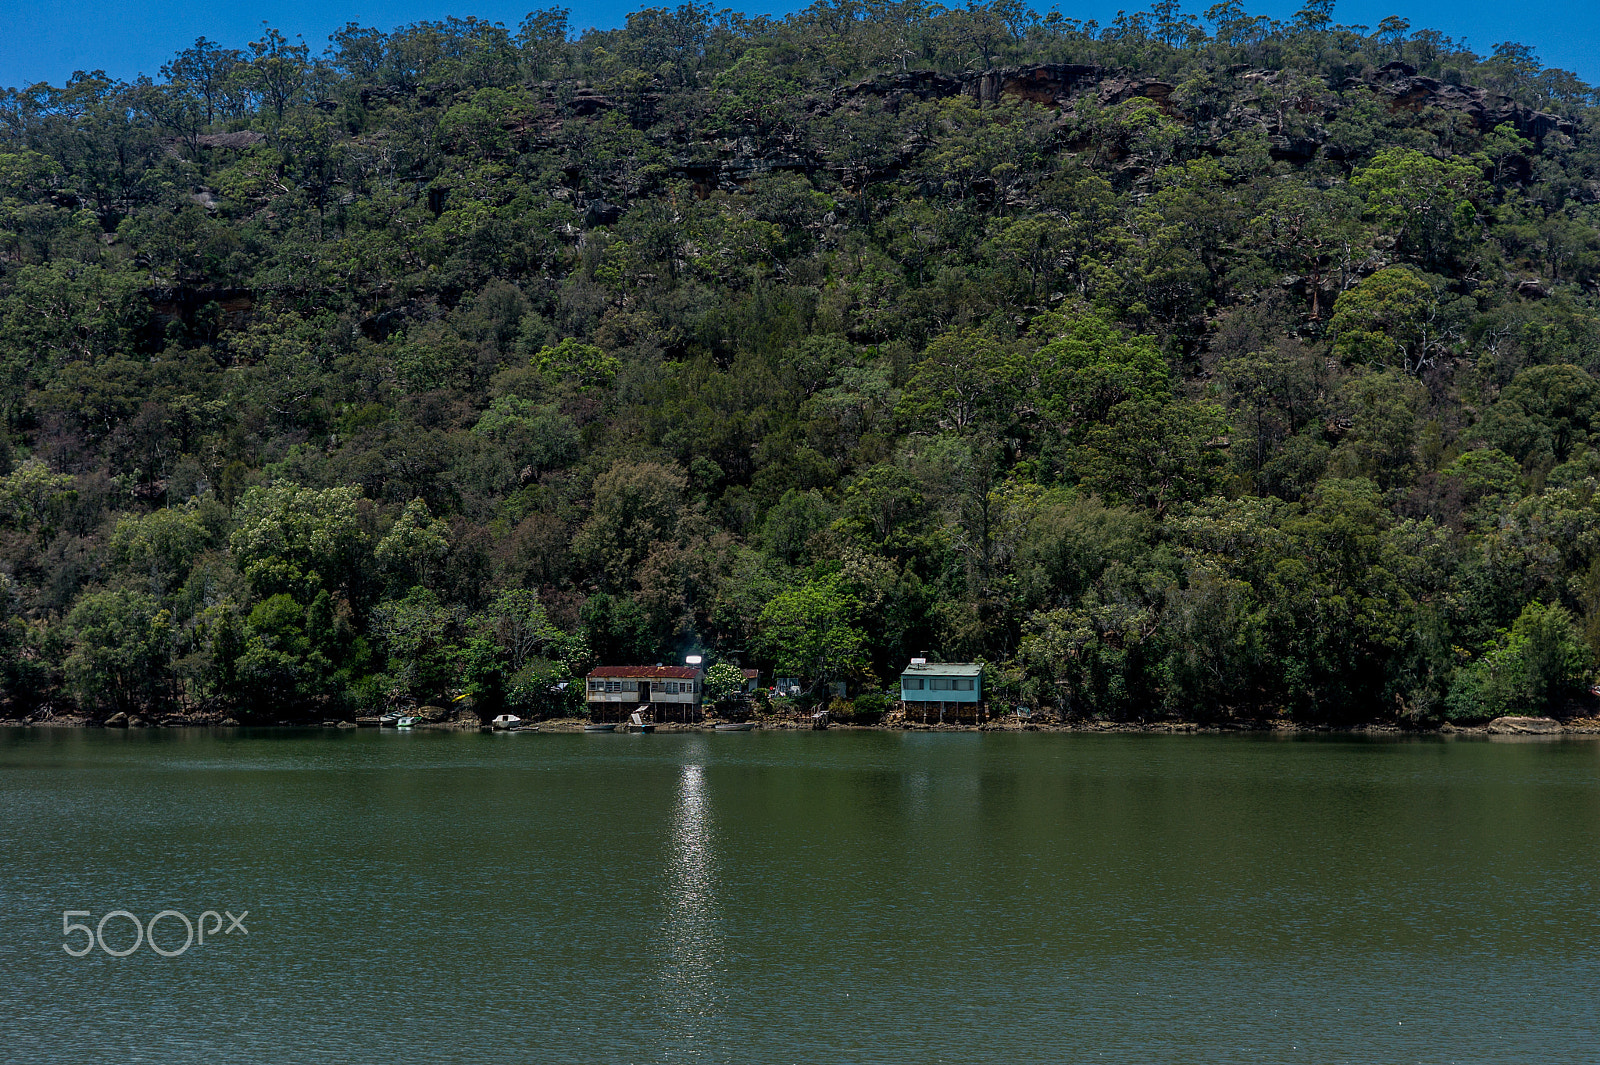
column 943, row 669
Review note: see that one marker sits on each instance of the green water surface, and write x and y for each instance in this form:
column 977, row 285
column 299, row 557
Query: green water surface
column 802, row 897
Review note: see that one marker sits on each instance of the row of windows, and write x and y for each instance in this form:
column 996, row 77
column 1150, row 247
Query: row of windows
column 938, row 684
column 668, row 687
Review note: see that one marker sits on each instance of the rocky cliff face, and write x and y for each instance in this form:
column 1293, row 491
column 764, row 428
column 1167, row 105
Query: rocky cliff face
column 1061, row 85
column 1404, row 90
column 1292, row 110
column 1052, row 84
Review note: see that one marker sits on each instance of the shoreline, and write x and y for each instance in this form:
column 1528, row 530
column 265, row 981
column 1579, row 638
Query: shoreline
column 1503, row 726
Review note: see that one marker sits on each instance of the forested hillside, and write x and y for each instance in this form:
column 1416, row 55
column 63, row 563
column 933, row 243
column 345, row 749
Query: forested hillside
column 1217, row 368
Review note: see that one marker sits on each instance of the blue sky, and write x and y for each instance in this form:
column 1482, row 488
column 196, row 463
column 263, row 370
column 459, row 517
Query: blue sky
column 46, row 40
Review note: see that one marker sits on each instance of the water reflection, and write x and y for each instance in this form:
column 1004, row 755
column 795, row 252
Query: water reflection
column 917, row 787
column 691, row 948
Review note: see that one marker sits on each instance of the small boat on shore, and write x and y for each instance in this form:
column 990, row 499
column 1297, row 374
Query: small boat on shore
column 735, row 726
column 506, row 721
column 596, row 726
column 637, row 723
column 405, row 722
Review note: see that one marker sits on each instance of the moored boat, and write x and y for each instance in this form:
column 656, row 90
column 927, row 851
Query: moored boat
column 596, row 726
column 506, row 721
column 735, row 726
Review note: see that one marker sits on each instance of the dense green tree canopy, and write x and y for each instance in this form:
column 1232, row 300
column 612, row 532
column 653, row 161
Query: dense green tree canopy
column 1198, row 364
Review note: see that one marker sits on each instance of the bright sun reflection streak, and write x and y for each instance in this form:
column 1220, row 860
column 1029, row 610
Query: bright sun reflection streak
column 691, row 949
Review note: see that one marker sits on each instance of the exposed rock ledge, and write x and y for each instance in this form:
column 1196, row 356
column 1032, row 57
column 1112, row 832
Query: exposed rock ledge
column 1530, row 726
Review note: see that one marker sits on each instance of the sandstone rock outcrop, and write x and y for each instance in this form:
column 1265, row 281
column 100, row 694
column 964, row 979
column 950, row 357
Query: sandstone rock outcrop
column 1523, row 726
column 1404, row 90
column 237, row 140
column 1060, row 84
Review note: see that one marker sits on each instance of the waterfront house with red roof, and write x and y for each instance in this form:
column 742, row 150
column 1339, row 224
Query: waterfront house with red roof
column 620, row 690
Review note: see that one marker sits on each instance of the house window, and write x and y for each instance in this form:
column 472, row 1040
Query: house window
column 613, row 685
column 940, row 684
column 597, row 685
column 964, row 685
column 672, row 687
column 630, row 685
column 911, row 684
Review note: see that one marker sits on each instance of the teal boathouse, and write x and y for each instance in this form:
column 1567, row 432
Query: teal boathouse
column 942, row 691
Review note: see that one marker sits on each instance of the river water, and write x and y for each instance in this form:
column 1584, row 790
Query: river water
column 799, row 897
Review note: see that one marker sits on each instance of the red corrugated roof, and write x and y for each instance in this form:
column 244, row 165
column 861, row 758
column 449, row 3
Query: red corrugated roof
column 654, row 672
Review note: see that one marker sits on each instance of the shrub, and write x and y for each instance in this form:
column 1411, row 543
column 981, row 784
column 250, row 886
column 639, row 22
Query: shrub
column 870, row 707
column 1528, row 671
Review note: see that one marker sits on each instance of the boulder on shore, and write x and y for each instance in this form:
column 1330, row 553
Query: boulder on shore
column 1530, row 726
